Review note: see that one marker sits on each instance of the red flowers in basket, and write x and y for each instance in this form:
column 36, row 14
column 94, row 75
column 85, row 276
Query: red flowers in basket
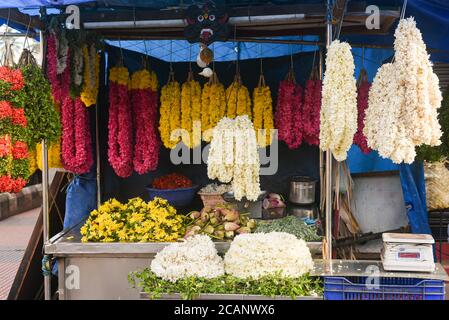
column 172, row 181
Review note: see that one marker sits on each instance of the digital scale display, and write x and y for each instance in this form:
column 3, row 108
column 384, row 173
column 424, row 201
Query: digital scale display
column 409, row 255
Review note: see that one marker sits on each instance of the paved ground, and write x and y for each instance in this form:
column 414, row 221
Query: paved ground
column 15, row 233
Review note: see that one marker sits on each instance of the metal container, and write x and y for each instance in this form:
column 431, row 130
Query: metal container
column 307, row 211
column 302, row 190
column 254, row 208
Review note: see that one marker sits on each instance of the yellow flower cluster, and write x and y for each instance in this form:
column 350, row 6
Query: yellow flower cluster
column 119, row 75
column 54, row 155
column 135, row 221
column 144, row 79
column 91, row 82
column 32, row 162
column 191, row 113
column 213, row 106
column 170, row 111
column 263, row 115
column 238, row 100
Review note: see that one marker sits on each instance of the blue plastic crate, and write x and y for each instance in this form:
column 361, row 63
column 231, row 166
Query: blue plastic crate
column 357, row 288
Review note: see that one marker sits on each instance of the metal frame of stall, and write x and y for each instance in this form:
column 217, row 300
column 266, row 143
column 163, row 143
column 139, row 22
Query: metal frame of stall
column 324, row 164
column 327, row 242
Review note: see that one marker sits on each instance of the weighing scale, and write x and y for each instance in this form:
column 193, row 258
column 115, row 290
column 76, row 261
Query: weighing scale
column 408, row 252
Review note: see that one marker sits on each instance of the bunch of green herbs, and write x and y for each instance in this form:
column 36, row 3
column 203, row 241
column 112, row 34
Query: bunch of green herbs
column 292, row 225
column 192, row 287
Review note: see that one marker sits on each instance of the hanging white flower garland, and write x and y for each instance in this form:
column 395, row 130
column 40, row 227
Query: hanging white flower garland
column 233, row 156
column 339, row 101
column 404, row 100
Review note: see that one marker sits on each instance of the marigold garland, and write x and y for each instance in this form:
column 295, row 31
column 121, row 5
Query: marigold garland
column 213, row 106
column 191, row 112
column 120, row 136
column 145, row 103
column 288, row 118
column 311, row 110
column 263, row 115
column 170, row 111
column 363, row 87
column 76, row 144
column 238, row 101
column 91, row 83
column 54, row 155
column 339, row 103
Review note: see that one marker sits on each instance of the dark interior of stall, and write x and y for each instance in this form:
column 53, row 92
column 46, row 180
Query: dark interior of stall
column 303, row 161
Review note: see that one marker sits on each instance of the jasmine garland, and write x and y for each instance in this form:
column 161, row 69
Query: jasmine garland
column 339, row 101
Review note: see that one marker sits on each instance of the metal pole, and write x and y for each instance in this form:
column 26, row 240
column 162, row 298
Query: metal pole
column 46, row 267
column 329, row 156
column 46, row 216
column 97, row 150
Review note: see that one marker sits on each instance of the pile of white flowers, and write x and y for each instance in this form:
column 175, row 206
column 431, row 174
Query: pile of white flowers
column 258, row 254
column 233, row 156
column 195, row 256
column 338, row 119
column 404, row 100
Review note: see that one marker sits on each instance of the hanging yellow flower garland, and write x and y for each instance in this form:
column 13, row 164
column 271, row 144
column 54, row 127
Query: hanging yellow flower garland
column 54, row 155
column 170, row 111
column 32, row 162
column 263, row 113
column 191, row 112
column 213, row 106
column 238, row 99
column 144, row 79
column 91, row 82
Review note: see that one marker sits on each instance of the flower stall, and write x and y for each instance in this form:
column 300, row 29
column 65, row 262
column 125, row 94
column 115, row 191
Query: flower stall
column 215, row 177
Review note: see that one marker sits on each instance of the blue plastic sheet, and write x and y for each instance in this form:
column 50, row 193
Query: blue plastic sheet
column 414, row 190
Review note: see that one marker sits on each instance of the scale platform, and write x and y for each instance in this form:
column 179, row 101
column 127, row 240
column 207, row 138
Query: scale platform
column 408, row 252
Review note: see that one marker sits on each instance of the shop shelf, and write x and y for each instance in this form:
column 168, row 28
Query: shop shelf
column 358, row 288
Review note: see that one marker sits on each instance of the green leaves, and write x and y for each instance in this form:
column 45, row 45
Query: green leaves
column 433, row 154
column 292, row 225
column 43, row 119
column 191, row 287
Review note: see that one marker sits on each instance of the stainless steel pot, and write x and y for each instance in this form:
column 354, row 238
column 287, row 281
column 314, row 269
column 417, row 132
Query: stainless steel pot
column 309, row 212
column 302, row 190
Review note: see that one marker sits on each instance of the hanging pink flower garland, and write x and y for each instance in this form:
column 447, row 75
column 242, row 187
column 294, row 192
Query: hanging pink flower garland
column 311, row 112
column 362, row 103
column 147, row 144
column 288, row 117
column 76, row 144
column 120, row 137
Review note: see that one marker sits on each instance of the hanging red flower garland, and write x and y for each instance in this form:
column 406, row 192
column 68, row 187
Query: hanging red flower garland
column 311, row 110
column 14, row 171
column 76, row 143
column 145, row 103
column 288, row 117
column 362, row 103
column 60, row 84
column 120, row 136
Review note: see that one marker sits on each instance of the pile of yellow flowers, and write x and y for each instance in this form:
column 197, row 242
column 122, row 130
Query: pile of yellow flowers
column 191, row 112
column 91, row 82
column 238, row 99
column 263, row 114
column 135, row 221
column 144, row 79
column 213, row 106
column 170, row 111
